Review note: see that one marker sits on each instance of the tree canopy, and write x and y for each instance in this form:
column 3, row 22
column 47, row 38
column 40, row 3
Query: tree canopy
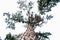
column 34, row 20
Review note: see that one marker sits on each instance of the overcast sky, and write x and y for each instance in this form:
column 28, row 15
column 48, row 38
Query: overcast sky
column 11, row 6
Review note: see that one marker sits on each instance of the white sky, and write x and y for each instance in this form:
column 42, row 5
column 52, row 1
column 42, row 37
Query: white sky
column 11, row 7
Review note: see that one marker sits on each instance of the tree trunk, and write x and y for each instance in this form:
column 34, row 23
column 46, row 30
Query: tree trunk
column 29, row 34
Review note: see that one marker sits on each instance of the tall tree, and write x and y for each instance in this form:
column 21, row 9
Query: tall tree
column 32, row 20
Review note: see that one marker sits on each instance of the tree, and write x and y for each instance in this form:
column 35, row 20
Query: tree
column 31, row 20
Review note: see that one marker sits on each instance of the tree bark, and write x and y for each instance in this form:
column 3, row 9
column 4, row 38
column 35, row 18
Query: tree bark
column 29, row 34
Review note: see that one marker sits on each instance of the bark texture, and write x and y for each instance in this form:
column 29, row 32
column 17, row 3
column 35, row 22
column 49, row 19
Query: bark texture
column 29, row 34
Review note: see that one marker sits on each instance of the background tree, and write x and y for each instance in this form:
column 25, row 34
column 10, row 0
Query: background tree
column 32, row 20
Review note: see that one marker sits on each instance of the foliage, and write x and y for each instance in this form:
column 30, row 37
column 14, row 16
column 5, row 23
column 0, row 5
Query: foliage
column 10, row 23
column 46, row 5
column 18, row 17
column 43, row 36
column 34, row 20
column 10, row 37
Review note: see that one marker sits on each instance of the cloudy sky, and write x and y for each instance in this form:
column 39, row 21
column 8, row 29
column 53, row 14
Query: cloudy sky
column 11, row 6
